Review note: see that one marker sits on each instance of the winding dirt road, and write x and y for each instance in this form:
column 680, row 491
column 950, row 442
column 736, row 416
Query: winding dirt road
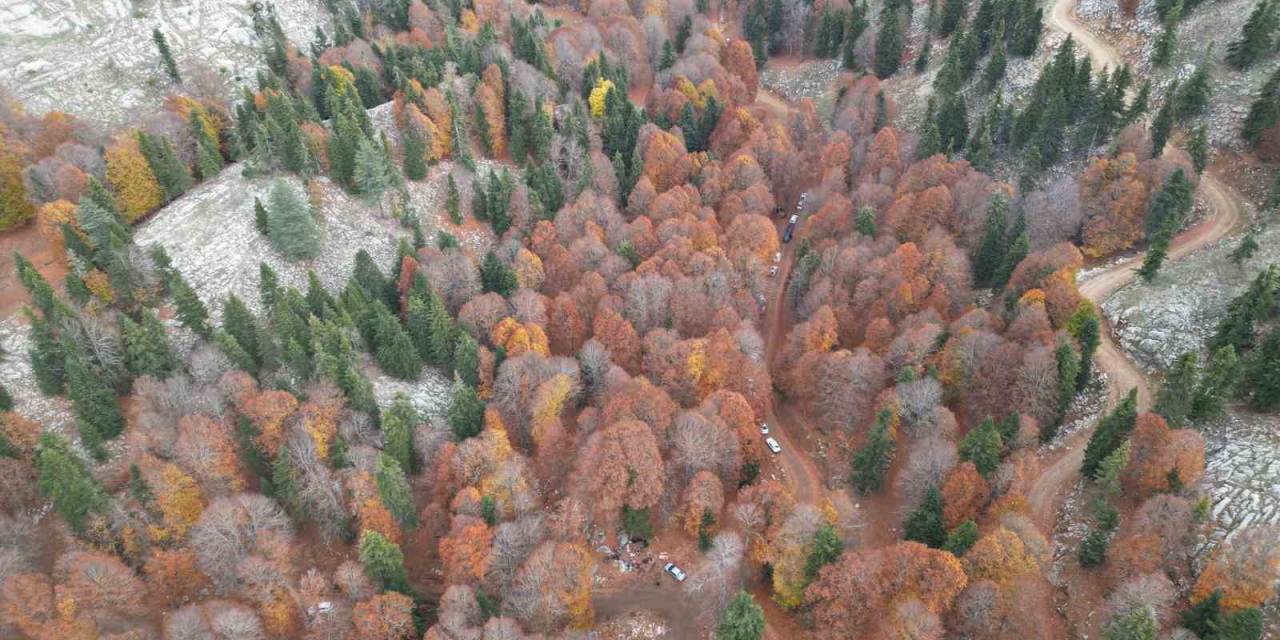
column 1224, row 215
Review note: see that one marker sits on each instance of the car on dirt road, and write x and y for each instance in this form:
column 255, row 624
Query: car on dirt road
column 676, row 572
column 791, row 228
column 764, row 428
column 777, row 257
column 773, row 445
column 773, row 270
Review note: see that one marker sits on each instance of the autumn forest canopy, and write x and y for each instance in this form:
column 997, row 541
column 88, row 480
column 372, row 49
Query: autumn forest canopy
column 578, row 334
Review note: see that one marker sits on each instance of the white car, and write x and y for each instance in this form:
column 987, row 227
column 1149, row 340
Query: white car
column 773, row 270
column 773, row 445
column 764, row 428
column 676, row 572
column 777, row 257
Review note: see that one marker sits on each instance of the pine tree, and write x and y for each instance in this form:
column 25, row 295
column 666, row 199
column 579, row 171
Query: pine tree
column 1260, row 375
column 415, row 149
column 1264, row 112
column 1093, row 549
column 873, row 459
column 1111, row 431
column 398, row 423
column 94, row 402
column 1086, row 332
column 394, row 490
column 1256, row 36
column 1162, row 51
column 1248, row 246
column 1193, row 96
column 994, row 72
column 372, row 174
column 1157, row 251
column 453, row 201
column 208, row 156
column 64, row 479
column 268, row 285
column 291, row 227
column 48, row 362
column 6, row 401
column 961, row 538
column 395, row 351
column 190, row 309
column 991, row 252
column 953, row 12
column 260, row 217
column 497, row 277
column 1203, row 617
column 146, row 346
column 1068, row 370
column 953, row 123
column 1173, row 402
column 866, row 221
column 383, row 561
column 982, row 447
column 925, row 523
column 827, row 547
column 743, row 619
column 170, row 173
column 1163, row 122
column 922, row 60
column 466, row 413
column 239, row 322
column 1217, row 380
column 888, row 44
column 930, row 135
column 166, row 56
column 1019, row 246
column 1198, row 148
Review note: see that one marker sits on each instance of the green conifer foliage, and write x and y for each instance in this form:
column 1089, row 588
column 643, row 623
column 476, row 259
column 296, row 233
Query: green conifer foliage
column 925, row 523
column 1110, row 433
column 167, row 62
column 146, row 346
column 383, row 561
column 290, row 224
column 466, row 413
column 65, row 480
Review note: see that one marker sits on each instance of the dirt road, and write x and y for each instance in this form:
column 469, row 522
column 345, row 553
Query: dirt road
column 1101, row 54
column 1224, row 215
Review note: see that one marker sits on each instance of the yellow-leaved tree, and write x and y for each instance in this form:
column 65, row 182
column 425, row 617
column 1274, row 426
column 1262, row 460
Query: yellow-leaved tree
column 136, row 188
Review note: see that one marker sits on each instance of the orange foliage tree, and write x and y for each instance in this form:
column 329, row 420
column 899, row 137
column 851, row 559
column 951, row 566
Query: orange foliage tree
column 136, row 188
column 1245, row 569
column 387, row 616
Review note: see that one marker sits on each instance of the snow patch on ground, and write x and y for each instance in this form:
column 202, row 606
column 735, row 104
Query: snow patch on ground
column 16, row 376
column 96, row 59
column 209, row 233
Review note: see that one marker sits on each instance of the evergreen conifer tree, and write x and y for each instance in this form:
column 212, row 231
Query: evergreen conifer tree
column 190, row 309
column 496, row 276
column 1068, row 362
column 167, row 62
column 743, row 619
column 990, row 256
column 1248, row 246
column 291, row 227
column 922, row 60
column 953, row 12
column 873, row 459
column 1019, row 245
column 268, row 285
column 396, row 354
column 466, row 413
column 1256, row 36
column 1173, row 402
column 466, row 359
column 383, row 561
column 1197, row 147
column 48, row 362
column 1162, row 51
column 1264, row 112
column 94, row 402
column 961, row 538
column 827, row 547
column 173, row 176
column 1110, row 433
column 453, row 201
column 994, row 72
column 953, row 123
column 925, row 523
column 888, row 44
column 1260, row 374
column 238, row 321
column 415, row 148
column 208, row 156
column 260, row 217
column 866, row 221
column 398, row 422
column 982, row 447
column 64, row 479
column 394, row 490
column 371, row 173
column 146, row 346
column 1192, row 98
column 1087, row 335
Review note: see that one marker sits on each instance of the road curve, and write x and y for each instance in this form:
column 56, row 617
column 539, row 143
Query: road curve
column 1101, row 54
column 1224, row 215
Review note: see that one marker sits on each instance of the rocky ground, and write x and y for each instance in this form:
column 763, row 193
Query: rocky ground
column 96, row 59
column 209, row 233
column 1157, row 322
column 1206, row 31
column 1243, row 471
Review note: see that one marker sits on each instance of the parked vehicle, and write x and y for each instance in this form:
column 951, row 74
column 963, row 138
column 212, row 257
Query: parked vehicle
column 773, row 445
column 773, row 270
column 777, row 257
column 764, row 428
column 791, row 228
column 676, row 572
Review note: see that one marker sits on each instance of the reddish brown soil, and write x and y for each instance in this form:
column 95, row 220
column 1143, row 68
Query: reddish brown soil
column 37, row 249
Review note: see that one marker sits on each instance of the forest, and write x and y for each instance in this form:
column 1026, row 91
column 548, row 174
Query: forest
column 909, row 421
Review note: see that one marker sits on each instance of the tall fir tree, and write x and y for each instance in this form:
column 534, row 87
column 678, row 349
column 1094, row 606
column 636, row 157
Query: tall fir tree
column 170, row 172
column 1162, row 124
column 94, row 402
column 466, row 413
column 48, row 361
column 872, row 461
column 743, row 619
column 167, row 62
column 1257, row 36
column 990, row 256
column 395, row 492
column 888, row 54
column 191, row 311
column 290, row 224
column 383, row 561
column 66, row 481
column 982, row 446
column 147, row 350
column 1110, row 433
column 1162, row 51
column 925, row 523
